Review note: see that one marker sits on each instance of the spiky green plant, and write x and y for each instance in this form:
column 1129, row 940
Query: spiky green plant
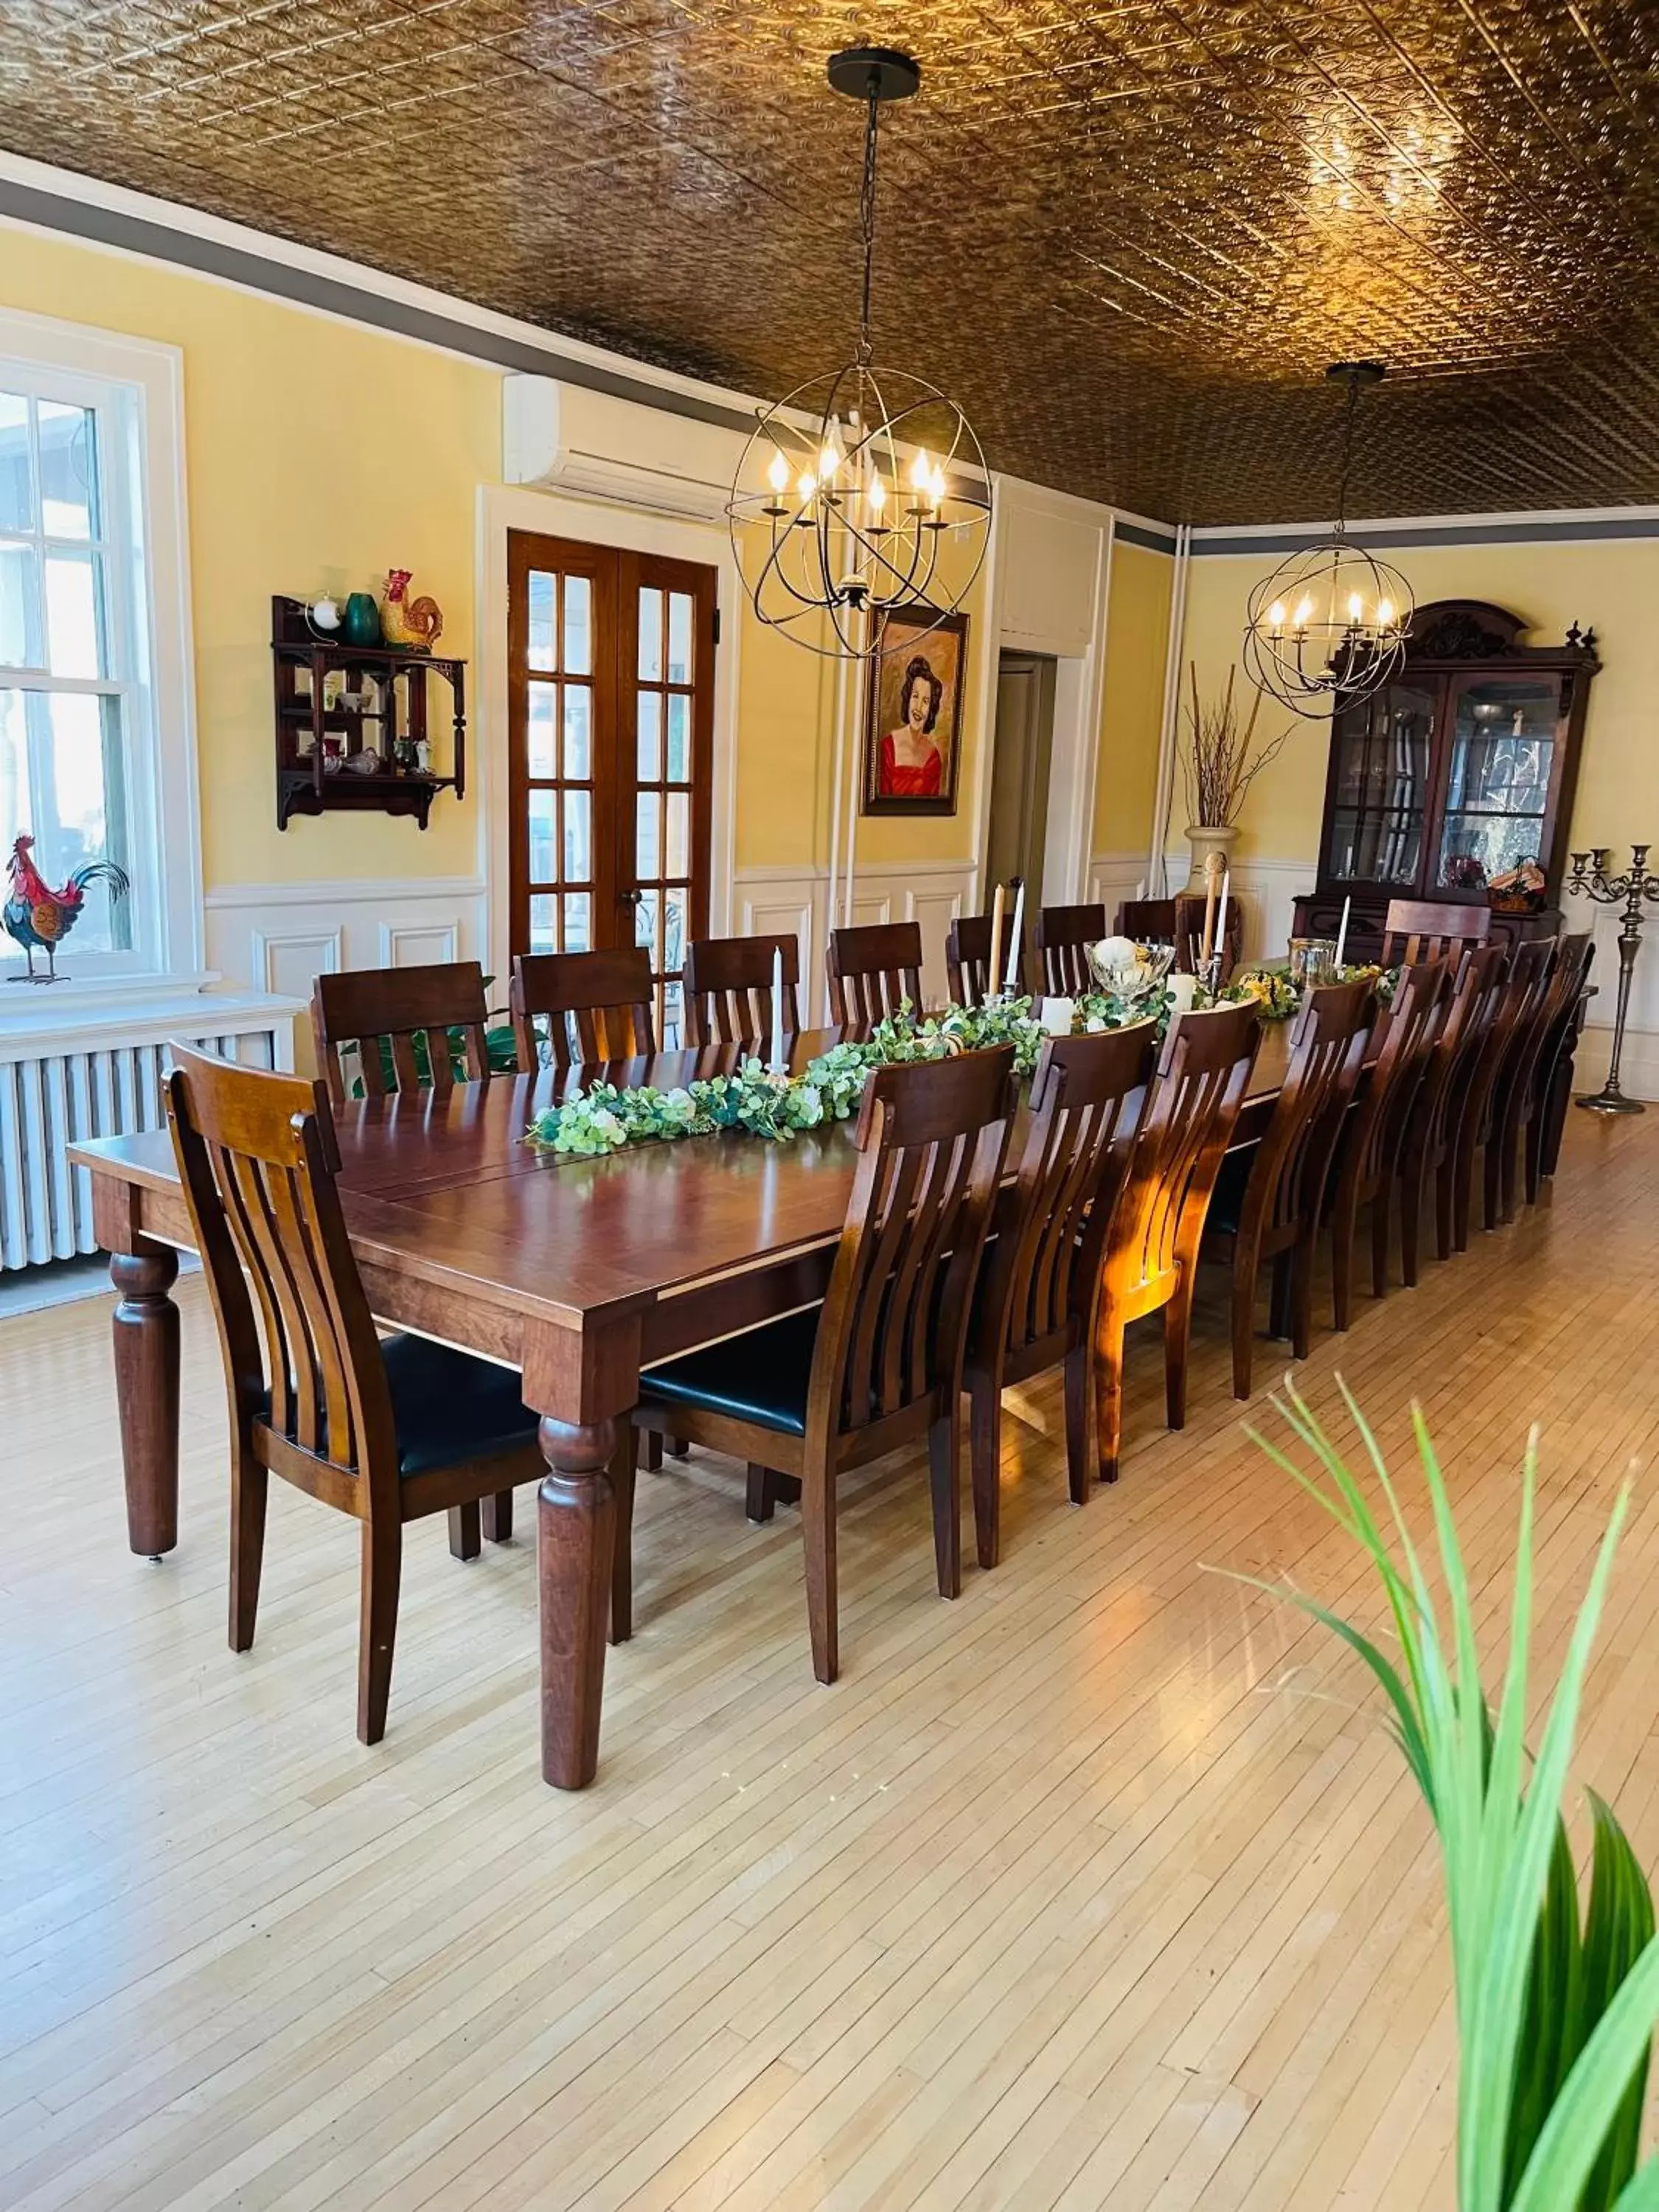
column 1555, row 2015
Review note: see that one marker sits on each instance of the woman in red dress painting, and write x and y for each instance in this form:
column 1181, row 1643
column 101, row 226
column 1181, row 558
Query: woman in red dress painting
column 910, row 764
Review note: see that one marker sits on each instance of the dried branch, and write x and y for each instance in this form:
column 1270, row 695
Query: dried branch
column 1220, row 765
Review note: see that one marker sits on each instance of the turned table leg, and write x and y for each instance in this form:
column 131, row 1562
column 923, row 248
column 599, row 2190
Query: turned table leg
column 146, row 1331
column 576, row 1520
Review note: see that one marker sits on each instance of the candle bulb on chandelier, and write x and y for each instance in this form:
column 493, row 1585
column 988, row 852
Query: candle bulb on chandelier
column 1276, row 618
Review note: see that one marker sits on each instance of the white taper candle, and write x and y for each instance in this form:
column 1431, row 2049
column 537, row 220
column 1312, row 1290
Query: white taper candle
column 1013, row 942
column 1342, row 934
column 777, row 1010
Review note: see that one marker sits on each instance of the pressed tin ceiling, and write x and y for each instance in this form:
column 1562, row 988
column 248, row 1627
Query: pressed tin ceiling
column 1126, row 238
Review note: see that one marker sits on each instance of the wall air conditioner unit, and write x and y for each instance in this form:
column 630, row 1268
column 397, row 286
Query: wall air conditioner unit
column 562, row 437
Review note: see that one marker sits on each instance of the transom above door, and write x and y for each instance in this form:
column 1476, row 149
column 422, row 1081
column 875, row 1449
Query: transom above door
column 610, row 735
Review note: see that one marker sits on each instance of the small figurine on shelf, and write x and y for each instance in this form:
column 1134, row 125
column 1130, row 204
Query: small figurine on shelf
column 417, row 624
column 1465, row 873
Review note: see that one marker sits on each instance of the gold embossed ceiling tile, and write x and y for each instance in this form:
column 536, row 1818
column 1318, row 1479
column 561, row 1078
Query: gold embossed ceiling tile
column 1127, row 238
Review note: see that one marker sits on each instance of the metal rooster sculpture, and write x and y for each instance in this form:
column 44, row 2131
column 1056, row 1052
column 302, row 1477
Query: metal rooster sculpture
column 40, row 918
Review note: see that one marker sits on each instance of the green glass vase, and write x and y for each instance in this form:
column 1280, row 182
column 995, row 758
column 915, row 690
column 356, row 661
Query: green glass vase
column 361, row 624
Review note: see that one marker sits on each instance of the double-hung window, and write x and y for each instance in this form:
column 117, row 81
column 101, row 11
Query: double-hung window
column 92, row 764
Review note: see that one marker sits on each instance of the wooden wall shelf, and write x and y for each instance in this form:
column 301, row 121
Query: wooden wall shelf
column 338, row 704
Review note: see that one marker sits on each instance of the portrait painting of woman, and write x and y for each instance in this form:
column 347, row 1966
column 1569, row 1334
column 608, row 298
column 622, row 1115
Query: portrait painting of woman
column 913, row 715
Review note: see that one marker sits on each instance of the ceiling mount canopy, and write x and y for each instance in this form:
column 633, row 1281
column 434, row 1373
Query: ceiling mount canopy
column 864, row 490
column 1331, row 617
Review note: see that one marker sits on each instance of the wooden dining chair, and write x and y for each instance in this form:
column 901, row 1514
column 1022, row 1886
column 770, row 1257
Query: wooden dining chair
column 1421, row 929
column 1532, row 1093
column 1189, row 911
column 1269, row 1196
column 409, row 1029
column 728, row 989
column 968, row 959
column 1151, row 1245
column 1148, row 921
column 1526, row 985
column 1369, row 1146
column 880, row 1363
column 1064, row 934
column 387, row 1431
column 597, row 1006
column 872, row 968
column 1036, row 1305
column 1431, row 1134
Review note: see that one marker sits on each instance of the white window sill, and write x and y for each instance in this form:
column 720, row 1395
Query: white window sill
column 35, row 1020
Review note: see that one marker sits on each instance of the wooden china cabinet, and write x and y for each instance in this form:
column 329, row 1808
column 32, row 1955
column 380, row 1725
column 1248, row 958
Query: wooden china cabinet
column 1460, row 769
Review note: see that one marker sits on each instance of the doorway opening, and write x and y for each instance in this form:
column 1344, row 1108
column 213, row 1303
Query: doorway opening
column 1018, row 832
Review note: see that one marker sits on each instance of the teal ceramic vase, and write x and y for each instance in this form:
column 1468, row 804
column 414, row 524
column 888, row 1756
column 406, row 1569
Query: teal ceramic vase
column 361, row 624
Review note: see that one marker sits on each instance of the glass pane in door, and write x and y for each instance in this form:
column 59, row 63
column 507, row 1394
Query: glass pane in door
column 1503, row 750
column 556, row 795
column 1383, row 747
column 665, row 764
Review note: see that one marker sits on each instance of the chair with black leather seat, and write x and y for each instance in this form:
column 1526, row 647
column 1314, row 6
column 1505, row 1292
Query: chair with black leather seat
column 872, row 968
column 1064, row 934
column 728, row 989
column 405, row 1029
column 1534, row 1091
column 388, row 1432
column 596, row 1007
column 1151, row 1245
column 879, row 1364
column 1036, row 1306
column 1368, row 1149
column 1431, row 1134
column 1269, row 1196
column 1526, row 988
column 968, row 959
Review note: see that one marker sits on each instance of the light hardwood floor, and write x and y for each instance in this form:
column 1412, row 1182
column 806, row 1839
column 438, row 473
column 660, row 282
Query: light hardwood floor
column 1102, row 1886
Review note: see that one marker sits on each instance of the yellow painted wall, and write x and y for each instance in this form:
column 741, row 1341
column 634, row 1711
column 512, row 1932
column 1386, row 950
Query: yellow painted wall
column 1131, row 705
column 1614, row 583
column 317, row 456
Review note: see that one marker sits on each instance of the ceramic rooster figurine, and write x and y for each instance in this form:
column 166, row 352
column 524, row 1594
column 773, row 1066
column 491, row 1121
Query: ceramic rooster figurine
column 416, row 623
column 41, row 918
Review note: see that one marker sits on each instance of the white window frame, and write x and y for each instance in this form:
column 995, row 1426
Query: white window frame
column 138, row 385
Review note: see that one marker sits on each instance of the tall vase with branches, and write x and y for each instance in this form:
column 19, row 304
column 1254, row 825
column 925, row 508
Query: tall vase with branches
column 1222, row 760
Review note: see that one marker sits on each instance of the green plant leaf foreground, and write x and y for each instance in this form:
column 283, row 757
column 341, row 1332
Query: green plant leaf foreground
column 1555, row 2014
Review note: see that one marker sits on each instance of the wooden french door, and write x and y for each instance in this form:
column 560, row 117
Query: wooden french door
column 611, row 734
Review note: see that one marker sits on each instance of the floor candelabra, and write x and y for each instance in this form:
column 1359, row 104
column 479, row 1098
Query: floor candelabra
column 1589, row 875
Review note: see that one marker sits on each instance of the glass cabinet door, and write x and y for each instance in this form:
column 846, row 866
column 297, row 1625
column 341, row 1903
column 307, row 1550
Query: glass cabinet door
column 1501, row 751
column 1382, row 785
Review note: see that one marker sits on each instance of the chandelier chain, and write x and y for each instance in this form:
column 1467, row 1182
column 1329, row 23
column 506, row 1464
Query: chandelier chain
column 1348, row 413
column 867, row 218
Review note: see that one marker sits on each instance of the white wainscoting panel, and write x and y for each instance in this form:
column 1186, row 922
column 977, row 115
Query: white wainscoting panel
column 278, row 936
column 930, row 892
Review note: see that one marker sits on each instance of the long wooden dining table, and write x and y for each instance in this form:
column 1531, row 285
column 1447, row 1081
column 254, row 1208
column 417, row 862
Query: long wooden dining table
column 579, row 1271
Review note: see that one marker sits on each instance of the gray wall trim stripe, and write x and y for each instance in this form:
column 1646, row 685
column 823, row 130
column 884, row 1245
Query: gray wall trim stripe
column 213, row 258
column 1545, row 531
column 1136, row 533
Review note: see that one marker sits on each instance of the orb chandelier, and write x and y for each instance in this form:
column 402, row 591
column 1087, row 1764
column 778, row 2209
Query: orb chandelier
column 866, row 488
column 1332, row 618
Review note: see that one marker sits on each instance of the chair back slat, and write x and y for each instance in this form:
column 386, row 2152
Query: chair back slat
column 1087, row 1097
column 931, row 1136
column 968, row 959
column 1413, row 1016
column 1525, row 990
column 728, row 989
column 1202, row 1076
column 1422, row 929
column 1064, row 934
column 258, row 1159
column 1461, row 1036
column 1326, row 1054
column 872, row 968
column 1559, row 1010
column 396, row 1014
column 596, row 1007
